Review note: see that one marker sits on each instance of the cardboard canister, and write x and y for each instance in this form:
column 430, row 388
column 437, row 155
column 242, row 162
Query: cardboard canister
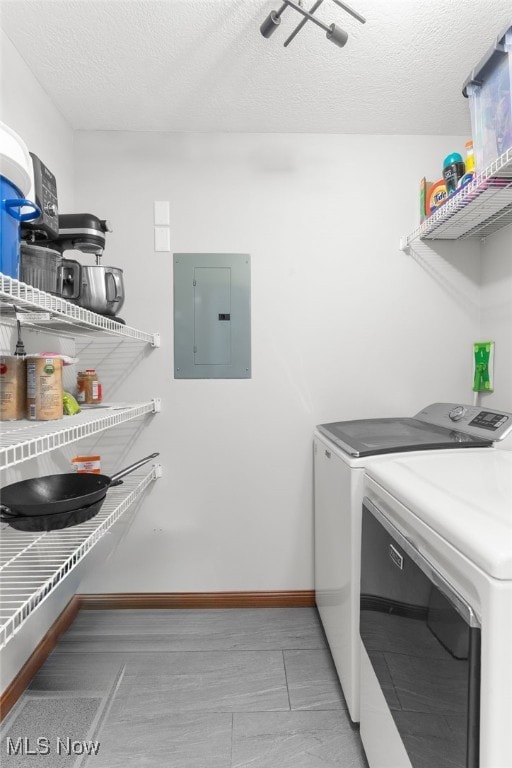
column 44, row 388
column 13, row 388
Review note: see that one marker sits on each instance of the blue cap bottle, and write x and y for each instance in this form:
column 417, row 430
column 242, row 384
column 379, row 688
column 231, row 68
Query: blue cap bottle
column 453, row 170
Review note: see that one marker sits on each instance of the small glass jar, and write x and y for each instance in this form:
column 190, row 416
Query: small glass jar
column 88, row 388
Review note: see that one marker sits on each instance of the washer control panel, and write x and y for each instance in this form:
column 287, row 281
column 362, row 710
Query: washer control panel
column 489, row 420
column 469, row 419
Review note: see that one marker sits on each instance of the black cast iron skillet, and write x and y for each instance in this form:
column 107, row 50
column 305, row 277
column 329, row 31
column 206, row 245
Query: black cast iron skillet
column 47, row 502
column 53, row 522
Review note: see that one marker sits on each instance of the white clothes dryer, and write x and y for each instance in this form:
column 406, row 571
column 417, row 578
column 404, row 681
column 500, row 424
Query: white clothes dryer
column 436, row 611
column 342, row 452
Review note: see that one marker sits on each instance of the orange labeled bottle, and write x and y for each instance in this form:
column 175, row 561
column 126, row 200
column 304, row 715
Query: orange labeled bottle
column 470, row 157
column 88, row 388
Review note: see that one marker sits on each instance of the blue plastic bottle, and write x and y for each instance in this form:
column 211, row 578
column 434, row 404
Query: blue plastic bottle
column 453, row 170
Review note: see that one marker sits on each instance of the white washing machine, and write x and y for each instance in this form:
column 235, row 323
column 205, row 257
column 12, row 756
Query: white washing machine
column 342, row 451
column 436, row 611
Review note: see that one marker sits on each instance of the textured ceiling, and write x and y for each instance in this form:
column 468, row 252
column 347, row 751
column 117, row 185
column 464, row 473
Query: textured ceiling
column 202, row 65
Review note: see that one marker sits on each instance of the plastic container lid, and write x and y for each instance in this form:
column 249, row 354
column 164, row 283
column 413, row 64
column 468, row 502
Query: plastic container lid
column 453, row 158
column 488, row 62
column 15, row 161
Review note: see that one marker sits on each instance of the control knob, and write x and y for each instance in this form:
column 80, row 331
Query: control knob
column 457, row 413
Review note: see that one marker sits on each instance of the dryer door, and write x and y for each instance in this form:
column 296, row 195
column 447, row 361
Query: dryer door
column 422, row 642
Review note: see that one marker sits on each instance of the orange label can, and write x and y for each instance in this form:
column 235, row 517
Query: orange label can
column 13, row 388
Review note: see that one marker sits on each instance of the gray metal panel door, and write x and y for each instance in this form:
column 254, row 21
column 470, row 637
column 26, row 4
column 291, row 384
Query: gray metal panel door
column 212, row 316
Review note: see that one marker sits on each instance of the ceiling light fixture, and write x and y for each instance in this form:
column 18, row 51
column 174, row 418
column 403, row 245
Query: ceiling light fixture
column 335, row 34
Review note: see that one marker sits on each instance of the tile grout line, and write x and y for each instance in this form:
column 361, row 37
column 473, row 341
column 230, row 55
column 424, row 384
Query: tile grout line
column 232, row 734
column 198, row 650
column 286, row 680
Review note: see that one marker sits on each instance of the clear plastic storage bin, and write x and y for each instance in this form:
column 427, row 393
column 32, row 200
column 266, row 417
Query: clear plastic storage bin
column 488, row 89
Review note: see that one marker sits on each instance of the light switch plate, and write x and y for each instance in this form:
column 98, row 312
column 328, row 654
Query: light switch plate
column 162, row 239
column 162, row 212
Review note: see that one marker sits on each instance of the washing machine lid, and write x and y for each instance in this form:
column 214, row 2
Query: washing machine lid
column 465, row 497
column 370, row 437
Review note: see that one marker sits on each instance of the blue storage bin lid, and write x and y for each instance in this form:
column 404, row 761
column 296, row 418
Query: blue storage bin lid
column 501, row 46
column 15, row 161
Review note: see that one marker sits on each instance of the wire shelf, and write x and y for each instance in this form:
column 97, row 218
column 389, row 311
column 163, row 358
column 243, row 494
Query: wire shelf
column 478, row 210
column 32, row 565
column 23, row 440
column 62, row 316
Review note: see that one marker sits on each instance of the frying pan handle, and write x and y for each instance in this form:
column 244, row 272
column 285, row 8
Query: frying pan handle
column 7, row 511
column 132, row 468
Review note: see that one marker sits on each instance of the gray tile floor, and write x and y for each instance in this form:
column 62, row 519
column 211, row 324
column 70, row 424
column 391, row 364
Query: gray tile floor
column 250, row 688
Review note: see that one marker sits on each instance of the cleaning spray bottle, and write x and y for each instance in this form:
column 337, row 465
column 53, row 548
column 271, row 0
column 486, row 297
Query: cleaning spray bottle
column 483, row 366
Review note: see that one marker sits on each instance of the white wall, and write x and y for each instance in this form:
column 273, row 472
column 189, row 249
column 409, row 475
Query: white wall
column 343, row 325
column 496, row 324
column 26, row 108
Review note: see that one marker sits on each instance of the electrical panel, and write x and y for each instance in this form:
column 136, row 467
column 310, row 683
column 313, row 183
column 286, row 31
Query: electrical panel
column 212, row 316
